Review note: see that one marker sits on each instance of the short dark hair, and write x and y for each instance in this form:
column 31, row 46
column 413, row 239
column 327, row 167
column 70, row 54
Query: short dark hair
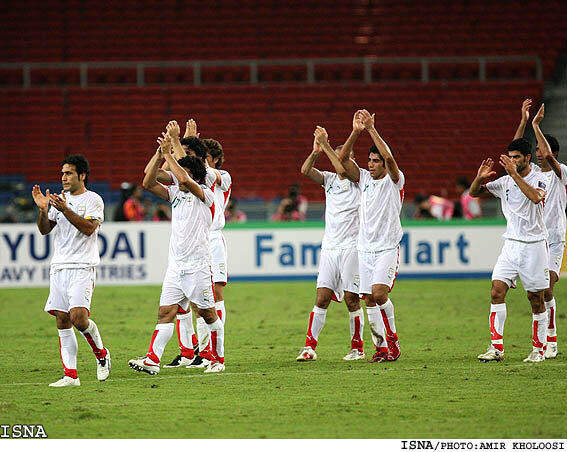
column 215, row 149
column 196, row 145
column 553, row 143
column 81, row 164
column 521, row 145
column 374, row 150
column 196, row 167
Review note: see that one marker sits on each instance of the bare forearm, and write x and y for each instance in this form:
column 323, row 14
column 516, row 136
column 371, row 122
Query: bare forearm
column 520, row 130
column 344, row 153
column 85, row 226
column 330, row 153
column 530, row 192
column 150, row 178
column 476, row 187
column 178, row 150
column 43, row 223
column 389, row 161
column 546, row 148
column 309, row 163
column 184, row 179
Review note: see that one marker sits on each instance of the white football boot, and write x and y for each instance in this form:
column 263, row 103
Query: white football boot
column 534, row 357
column 551, row 351
column 103, row 367
column 144, row 364
column 215, row 366
column 66, row 381
column 354, row 355
column 307, row 354
column 492, row 354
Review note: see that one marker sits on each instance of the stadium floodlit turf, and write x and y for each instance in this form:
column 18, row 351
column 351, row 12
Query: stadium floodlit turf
column 438, row 388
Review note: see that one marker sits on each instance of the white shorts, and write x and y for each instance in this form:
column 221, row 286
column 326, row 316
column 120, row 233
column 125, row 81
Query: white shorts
column 529, row 261
column 556, row 251
column 181, row 287
column 70, row 288
column 380, row 267
column 219, row 258
column 338, row 271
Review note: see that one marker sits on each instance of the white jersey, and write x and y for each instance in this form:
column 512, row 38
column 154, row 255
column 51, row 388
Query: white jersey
column 342, row 200
column 380, row 206
column 73, row 249
column 222, row 195
column 191, row 221
column 555, row 203
column 524, row 219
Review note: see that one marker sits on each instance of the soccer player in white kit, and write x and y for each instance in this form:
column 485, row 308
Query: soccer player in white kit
column 522, row 194
column 553, row 214
column 75, row 217
column 382, row 195
column 188, row 275
column 338, row 268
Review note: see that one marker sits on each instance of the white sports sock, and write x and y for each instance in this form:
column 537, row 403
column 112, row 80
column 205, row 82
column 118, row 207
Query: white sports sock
column 356, row 325
column 203, row 333
column 387, row 311
column 496, row 320
column 162, row 335
column 219, row 306
column 68, row 348
column 316, row 324
column 92, row 336
column 185, row 333
column 217, row 339
column 376, row 324
column 539, row 327
column 551, row 308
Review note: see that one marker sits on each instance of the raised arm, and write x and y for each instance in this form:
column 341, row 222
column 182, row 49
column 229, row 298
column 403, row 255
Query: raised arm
column 183, row 178
column 85, row 226
column 191, row 129
column 173, row 132
column 524, row 120
column 43, row 223
column 542, row 143
column 535, row 195
column 351, row 168
column 307, row 168
column 484, row 172
column 323, row 141
column 150, row 181
column 390, row 163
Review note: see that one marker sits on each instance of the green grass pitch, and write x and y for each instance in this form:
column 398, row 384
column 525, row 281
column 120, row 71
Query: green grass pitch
column 437, row 389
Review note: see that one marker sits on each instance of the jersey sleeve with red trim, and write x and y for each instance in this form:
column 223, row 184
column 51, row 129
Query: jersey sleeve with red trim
column 226, row 180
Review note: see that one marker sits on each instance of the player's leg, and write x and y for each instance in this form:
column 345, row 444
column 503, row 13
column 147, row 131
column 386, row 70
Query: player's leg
column 316, row 323
column 172, row 296
column 350, row 280
column 81, row 288
column 185, row 334
column 503, row 277
column 203, row 338
column 556, row 251
column 539, row 326
column 198, row 287
column 58, row 305
column 356, row 327
column 220, row 275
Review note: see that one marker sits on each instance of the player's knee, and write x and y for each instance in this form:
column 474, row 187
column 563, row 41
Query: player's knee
column 380, row 295
column 548, row 294
column 537, row 301
column 322, row 302
column 166, row 314
column 497, row 294
column 79, row 320
column 210, row 315
column 352, row 302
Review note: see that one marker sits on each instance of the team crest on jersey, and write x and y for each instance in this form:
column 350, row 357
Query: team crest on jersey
column 81, row 211
column 344, row 185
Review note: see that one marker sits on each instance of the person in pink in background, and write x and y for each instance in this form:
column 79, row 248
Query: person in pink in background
column 470, row 206
column 134, row 210
column 232, row 214
column 293, row 207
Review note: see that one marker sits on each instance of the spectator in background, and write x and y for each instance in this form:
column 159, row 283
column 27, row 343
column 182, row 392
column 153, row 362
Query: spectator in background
column 293, row 207
column 232, row 214
column 433, row 207
column 125, row 192
column 134, row 210
column 469, row 206
column 161, row 213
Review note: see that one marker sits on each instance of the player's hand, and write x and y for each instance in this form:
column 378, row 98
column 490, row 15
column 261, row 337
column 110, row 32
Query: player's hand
column 357, row 124
column 508, row 164
column 316, row 147
column 539, row 116
column 321, row 136
column 41, row 200
column 526, row 109
column 59, row 202
column 485, row 169
column 173, row 129
column 165, row 147
column 191, row 129
column 367, row 119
